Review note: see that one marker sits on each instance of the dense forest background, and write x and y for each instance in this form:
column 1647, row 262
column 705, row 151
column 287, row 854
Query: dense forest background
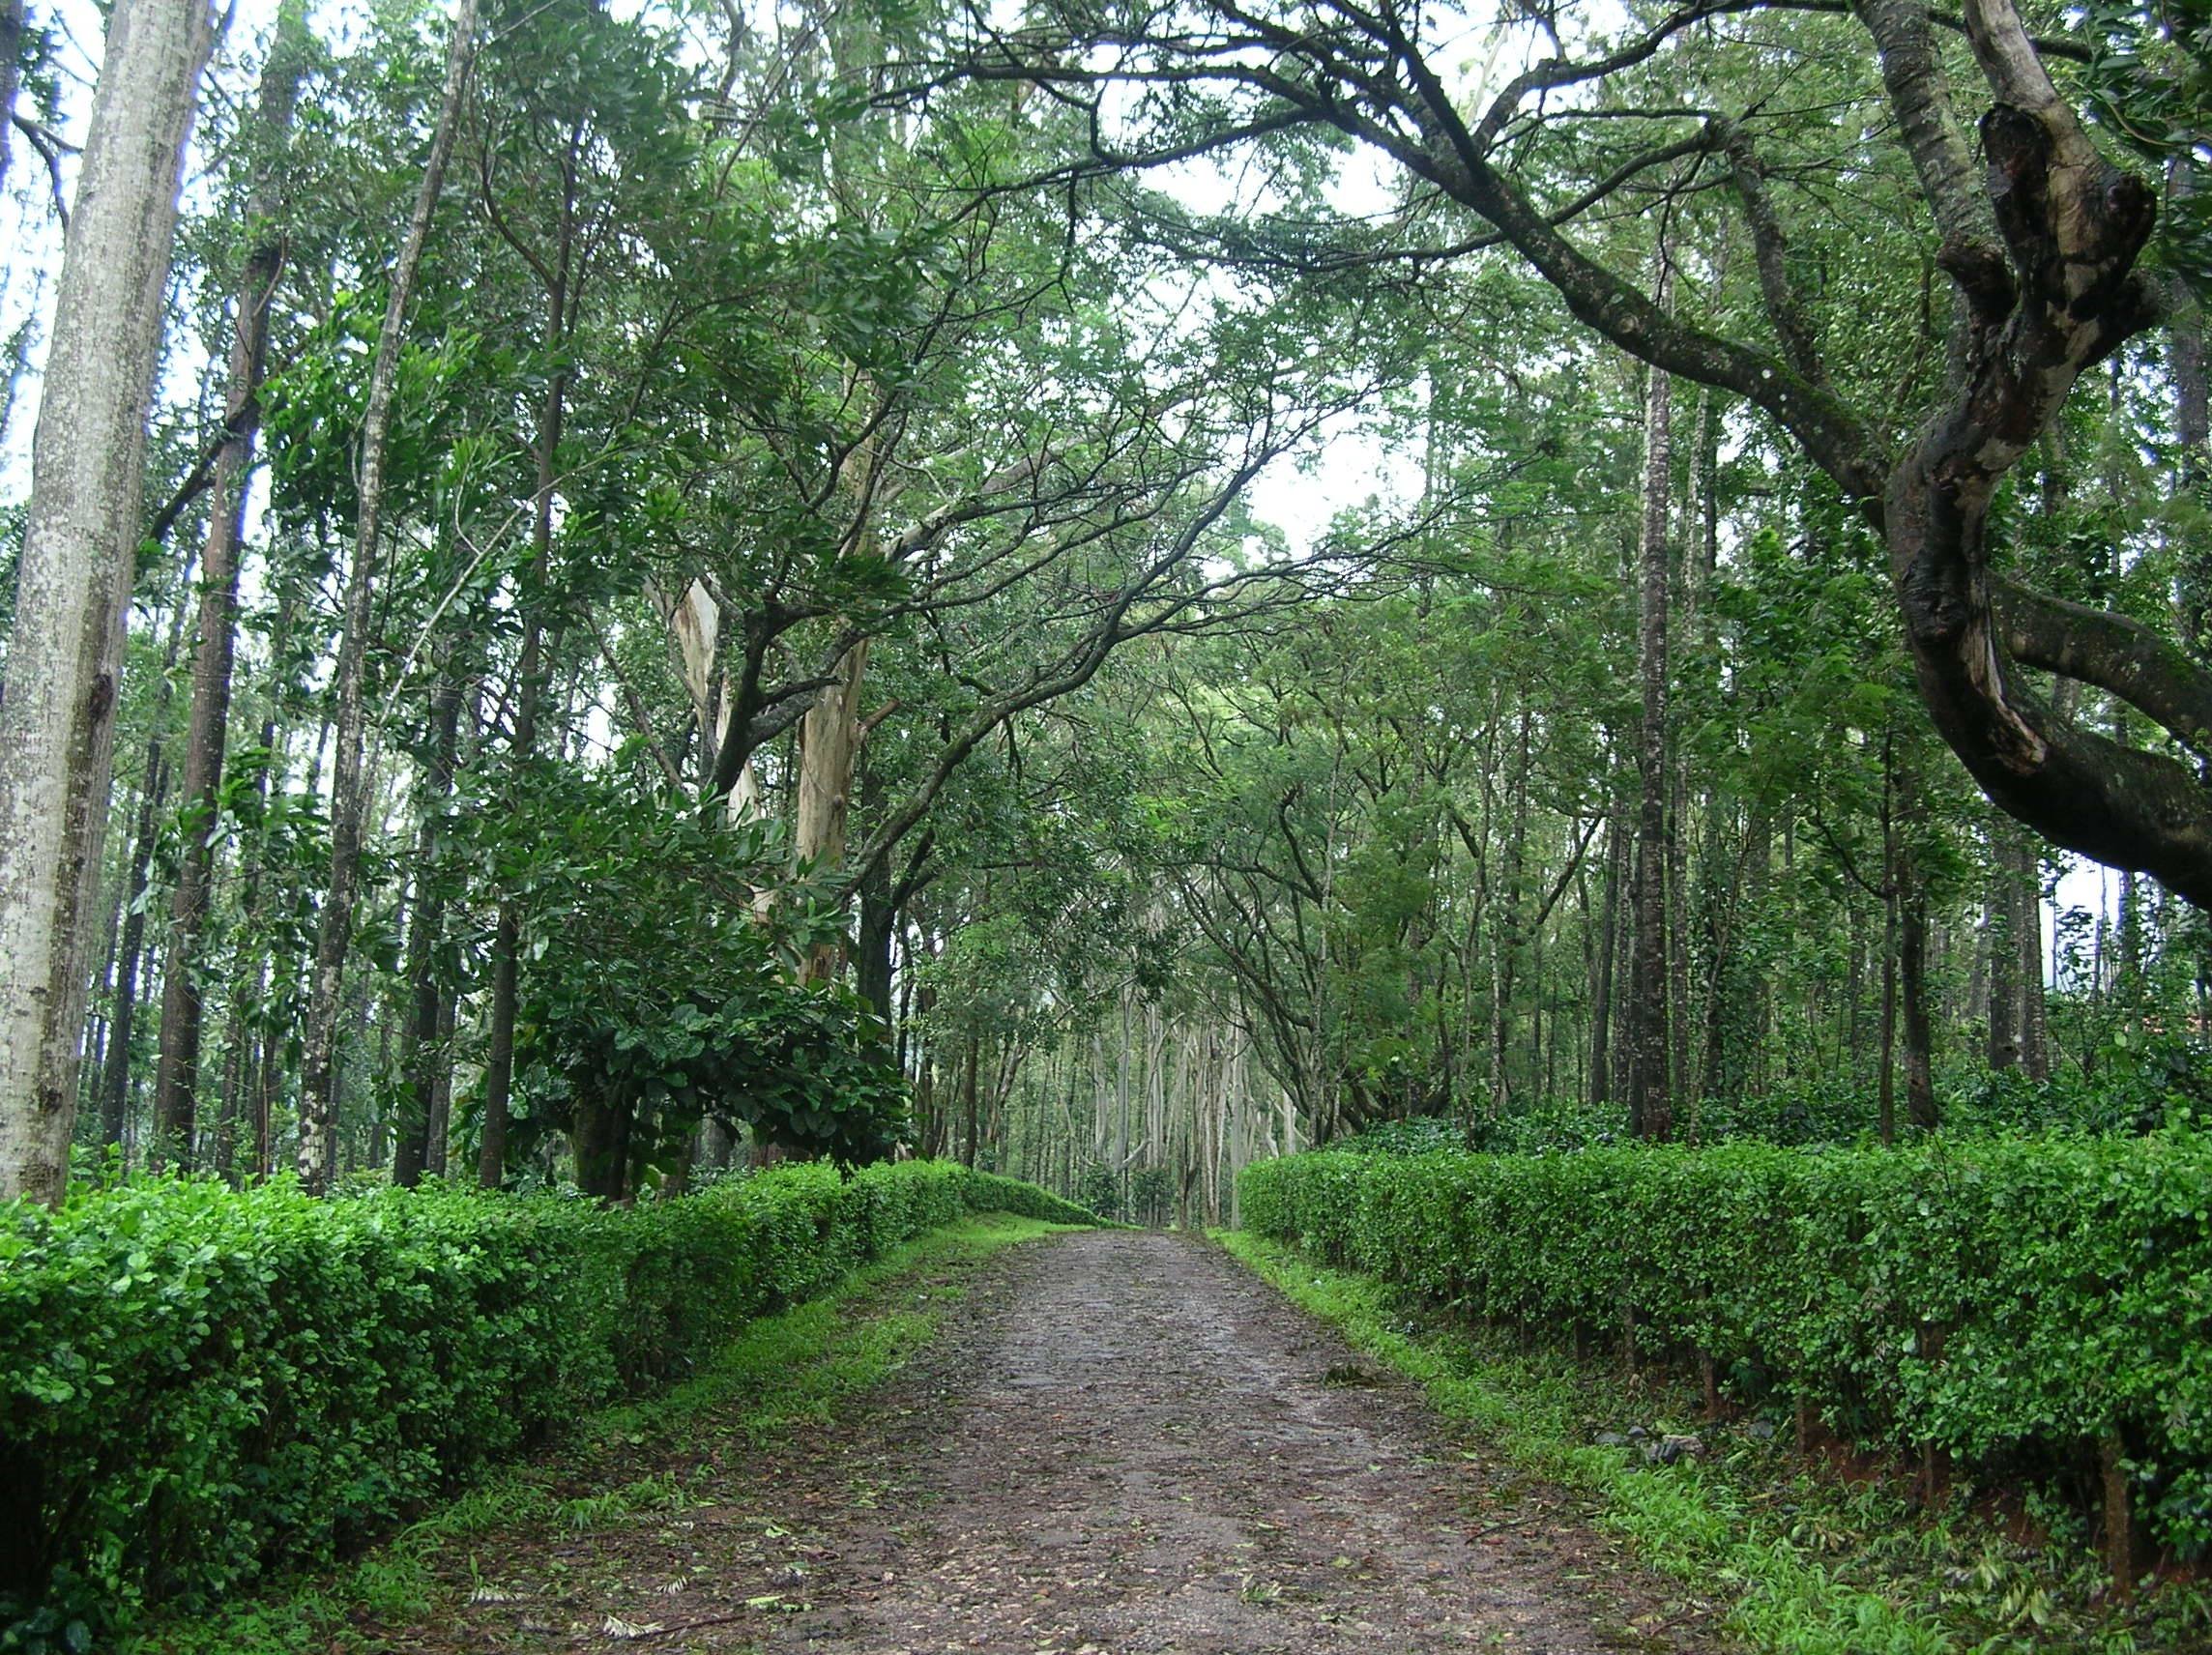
column 713, row 571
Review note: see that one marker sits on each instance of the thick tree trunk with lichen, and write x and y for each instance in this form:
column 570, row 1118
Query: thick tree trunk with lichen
column 80, row 543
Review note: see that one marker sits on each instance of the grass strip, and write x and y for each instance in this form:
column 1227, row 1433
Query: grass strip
column 1806, row 1564
column 779, row 1373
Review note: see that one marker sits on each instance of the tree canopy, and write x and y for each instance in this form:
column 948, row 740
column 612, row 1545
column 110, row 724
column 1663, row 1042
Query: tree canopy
column 1107, row 587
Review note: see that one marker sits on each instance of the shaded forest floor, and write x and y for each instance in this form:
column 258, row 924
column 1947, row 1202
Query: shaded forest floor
column 1092, row 1442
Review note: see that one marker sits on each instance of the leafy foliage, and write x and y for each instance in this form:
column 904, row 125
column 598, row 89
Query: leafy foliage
column 202, row 1382
column 659, row 992
column 2004, row 1301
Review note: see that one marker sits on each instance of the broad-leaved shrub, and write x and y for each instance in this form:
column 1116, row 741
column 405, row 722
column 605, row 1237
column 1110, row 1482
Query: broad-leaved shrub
column 197, row 1382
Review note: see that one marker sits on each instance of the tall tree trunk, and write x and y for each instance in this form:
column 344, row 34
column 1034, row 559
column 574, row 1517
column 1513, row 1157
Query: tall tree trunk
column 600, row 1139
column 969, row 1058
column 115, row 1080
column 439, row 1069
column 2127, row 975
column 1689, row 597
column 506, row 945
column 1912, row 990
column 1651, row 1101
column 10, row 74
column 1912, row 886
column 225, row 1157
column 2035, row 1034
column 1725, row 983
column 426, row 935
column 2191, row 427
column 1601, row 994
column 115, row 1077
column 1885, row 1088
column 2003, row 917
column 1506, row 929
column 264, row 1062
column 927, row 1108
column 828, row 744
column 99, row 1024
column 873, row 943
column 349, row 786
column 73, row 595
column 176, row 1074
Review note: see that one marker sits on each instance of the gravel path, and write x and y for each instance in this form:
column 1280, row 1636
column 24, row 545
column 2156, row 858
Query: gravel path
column 1117, row 1442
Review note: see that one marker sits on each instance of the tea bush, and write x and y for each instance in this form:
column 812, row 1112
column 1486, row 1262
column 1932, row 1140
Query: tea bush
column 2013, row 1303
column 196, row 1383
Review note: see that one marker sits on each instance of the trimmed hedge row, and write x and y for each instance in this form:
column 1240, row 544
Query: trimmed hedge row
column 2016, row 1304
column 196, row 1383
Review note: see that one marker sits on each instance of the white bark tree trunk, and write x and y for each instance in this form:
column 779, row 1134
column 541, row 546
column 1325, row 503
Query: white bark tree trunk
column 57, row 715
column 829, row 746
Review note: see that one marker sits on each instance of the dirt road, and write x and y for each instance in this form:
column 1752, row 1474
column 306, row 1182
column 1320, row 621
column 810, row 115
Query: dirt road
column 1117, row 1442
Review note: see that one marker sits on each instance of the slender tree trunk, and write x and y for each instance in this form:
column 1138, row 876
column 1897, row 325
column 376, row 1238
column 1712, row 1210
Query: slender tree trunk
column 1601, row 995
column 264, row 1063
column 1908, row 889
column 969, row 1060
column 507, row 946
column 176, row 1074
column 425, row 935
column 2003, row 917
column 1691, row 540
column 1885, row 1091
column 349, row 786
column 1912, row 989
column 878, row 927
column 1504, row 931
column 872, row 945
column 225, row 1156
column 439, row 1068
column 115, row 1080
column 2191, row 427
column 10, row 74
column 1651, row 1101
column 1724, row 980
column 73, row 595
column 928, row 1110
column 2034, row 1038
column 99, row 1023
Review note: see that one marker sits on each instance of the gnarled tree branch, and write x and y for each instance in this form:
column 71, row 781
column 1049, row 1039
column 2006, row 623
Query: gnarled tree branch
column 2122, row 656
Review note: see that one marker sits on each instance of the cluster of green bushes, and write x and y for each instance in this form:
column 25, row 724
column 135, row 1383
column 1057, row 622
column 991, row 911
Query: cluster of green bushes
column 196, row 1383
column 2029, row 1308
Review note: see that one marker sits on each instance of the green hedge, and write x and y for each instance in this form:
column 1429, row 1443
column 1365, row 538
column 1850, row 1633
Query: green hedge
column 2014, row 1304
column 197, row 1382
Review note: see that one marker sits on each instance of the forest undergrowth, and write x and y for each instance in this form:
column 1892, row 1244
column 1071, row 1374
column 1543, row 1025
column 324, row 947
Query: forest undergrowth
column 1807, row 1557
column 782, row 1374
